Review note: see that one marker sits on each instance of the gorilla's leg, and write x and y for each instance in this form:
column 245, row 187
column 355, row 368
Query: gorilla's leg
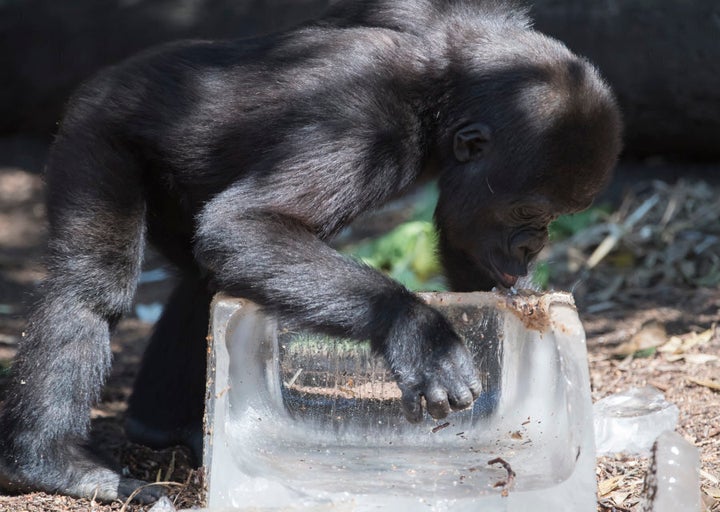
column 96, row 212
column 167, row 403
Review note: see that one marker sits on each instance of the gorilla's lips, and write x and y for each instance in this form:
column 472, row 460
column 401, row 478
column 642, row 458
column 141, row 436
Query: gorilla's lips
column 507, row 280
column 507, row 277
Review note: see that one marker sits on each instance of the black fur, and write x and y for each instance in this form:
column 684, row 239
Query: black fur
column 240, row 159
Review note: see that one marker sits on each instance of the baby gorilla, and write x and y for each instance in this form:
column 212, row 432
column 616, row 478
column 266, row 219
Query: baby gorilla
column 238, row 160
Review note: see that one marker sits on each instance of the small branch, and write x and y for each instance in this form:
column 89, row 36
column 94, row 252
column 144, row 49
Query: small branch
column 508, row 483
column 617, row 232
column 440, row 427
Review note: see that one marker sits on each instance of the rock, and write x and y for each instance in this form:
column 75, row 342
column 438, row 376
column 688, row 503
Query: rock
column 662, row 59
column 49, row 46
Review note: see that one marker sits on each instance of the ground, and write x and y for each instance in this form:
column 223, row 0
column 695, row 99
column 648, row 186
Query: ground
column 628, row 307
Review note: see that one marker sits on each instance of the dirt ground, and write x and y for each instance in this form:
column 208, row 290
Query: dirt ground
column 675, row 320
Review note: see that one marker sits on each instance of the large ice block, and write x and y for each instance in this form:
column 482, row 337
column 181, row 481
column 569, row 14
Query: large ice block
column 300, row 422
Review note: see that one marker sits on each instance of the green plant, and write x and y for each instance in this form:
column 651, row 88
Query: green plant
column 541, row 275
column 566, row 226
column 408, row 254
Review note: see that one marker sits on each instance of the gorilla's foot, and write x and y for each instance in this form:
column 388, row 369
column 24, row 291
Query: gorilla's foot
column 73, row 472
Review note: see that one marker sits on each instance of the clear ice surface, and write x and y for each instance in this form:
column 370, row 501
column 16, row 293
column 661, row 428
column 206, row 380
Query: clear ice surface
column 299, row 422
column 630, row 421
column 673, row 482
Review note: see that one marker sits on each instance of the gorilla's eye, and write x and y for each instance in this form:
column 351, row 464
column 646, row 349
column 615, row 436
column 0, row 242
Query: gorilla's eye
column 528, row 214
column 531, row 216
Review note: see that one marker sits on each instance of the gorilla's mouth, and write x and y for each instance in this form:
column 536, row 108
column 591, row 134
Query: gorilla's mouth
column 507, row 278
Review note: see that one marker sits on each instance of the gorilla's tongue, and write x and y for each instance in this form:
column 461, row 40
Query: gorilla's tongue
column 508, row 279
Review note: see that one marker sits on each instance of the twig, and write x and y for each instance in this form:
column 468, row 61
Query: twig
column 294, row 378
column 508, row 483
column 609, row 504
column 184, row 487
column 171, row 467
column 141, row 488
column 440, row 427
column 617, row 232
column 674, row 200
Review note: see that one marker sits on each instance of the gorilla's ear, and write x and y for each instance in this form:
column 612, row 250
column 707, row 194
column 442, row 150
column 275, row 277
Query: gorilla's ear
column 471, row 141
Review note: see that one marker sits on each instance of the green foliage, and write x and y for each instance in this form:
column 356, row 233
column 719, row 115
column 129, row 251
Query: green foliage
column 541, row 275
column 563, row 227
column 567, row 225
column 5, row 368
column 307, row 343
column 644, row 353
column 408, row 254
column 426, row 201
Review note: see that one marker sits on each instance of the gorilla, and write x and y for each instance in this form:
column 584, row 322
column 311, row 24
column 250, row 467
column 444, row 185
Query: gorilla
column 239, row 160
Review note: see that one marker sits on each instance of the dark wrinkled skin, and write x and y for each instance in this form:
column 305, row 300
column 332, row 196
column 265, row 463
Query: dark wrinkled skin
column 238, row 160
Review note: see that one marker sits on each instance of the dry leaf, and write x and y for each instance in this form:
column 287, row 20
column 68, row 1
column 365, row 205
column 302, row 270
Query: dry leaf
column 700, row 358
column 678, row 345
column 709, row 476
column 674, row 357
column 692, row 358
column 712, row 384
column 707, row 335
column 619, row 497
column 713, row 491
column 607, row 486
column 673, row 345
column 698, row 339
column 650, row 335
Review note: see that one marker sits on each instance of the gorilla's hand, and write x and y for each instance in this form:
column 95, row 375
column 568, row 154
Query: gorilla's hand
column 430, row 360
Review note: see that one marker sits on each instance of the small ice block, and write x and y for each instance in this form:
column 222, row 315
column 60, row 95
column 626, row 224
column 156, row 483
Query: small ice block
column 630, row 421
column 295, row 421
column 673, row 481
